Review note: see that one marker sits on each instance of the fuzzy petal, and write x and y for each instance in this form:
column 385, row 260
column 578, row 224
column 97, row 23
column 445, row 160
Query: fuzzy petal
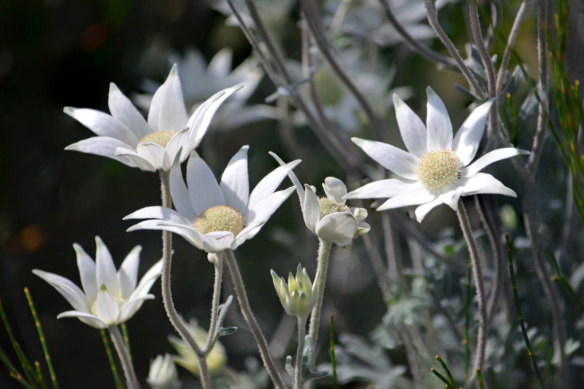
column 423, row 209
column 103, row 146
column 412, row 129
column 467, row 139
column 125, row 112
column 107, row 308
column 186, row 231
column 383, row 189
column 147, row 280
column 438, row 123
column 128, row 273
column 167, row 110
column 218, row 241
column 264, row 210
column 203, row 187
column 235, row 181
column 311, row 209
column 131, row 307
column 155, row 154
column 489, row 158
column 102, row 124
column 390, row 157
column 406, row 199
column 180, row 194
column 160, row 213
column 335, row 189
column 87, row 274
column 268, row 185
column 85, row 317
column 131, row 158
column 485, row 183
column 179, row 143
column 339, row 228
column 105, row 268
column 66, row 288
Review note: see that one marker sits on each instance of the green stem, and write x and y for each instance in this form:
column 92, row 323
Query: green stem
column 480, row 288
column 126, row 337
column 324, row 250
column 171, row 312
column 129, row 372
column 519, row 315
column 112, row 362
column 250, row 319
column 301, row 323
column 42, row 339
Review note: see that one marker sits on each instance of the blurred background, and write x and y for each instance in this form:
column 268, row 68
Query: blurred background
column 57, row 53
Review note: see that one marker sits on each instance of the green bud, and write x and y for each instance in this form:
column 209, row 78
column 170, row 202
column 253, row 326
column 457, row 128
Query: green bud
column 296, row 296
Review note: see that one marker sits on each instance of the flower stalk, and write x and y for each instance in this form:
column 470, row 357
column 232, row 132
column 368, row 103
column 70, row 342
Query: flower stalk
column 480, row 287
column 324, row 250
column 171, row 312
column 127, row 366
column 301, row 323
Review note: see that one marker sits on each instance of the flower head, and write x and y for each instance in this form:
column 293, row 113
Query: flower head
column 185, row 358
column 329, row 217
column 437, row 167
column 297, row 296
column 162, row 373
column 217, row 216
column 168, row 135
column 108, row 297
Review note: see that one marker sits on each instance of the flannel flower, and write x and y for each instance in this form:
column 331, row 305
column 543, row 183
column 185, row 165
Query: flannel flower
column 150, row 145
column 217, row 216
column 437, row 168
column 329, row 217
column 297, row 296
column 108, row 297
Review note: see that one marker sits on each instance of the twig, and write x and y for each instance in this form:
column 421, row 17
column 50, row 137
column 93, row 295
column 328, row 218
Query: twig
column 414, row 44
column 435, row 24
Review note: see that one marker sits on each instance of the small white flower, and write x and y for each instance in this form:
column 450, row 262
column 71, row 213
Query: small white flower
column 108, row 298
column 437, row 168
column 297, row 295
column 162, row 373
column 149, row 145
column 217, row 216
column 329, row 217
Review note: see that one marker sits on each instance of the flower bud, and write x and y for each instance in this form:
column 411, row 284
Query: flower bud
column 296, row 296
column 162, row 374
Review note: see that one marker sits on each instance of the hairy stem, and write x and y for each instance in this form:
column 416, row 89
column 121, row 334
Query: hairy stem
column 171, row 312
column 127, row 366
column 324, row 250
column 217, row 260
column 250, row 319
column 480, row 288
column 301, row 323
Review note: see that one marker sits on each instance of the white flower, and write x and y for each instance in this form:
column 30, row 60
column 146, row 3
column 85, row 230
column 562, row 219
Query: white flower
column 329, row 217
column 437, row 168
column 149, row 145
column 108, row 298
column 297, row 296
column 212, row 216
column 162, row 373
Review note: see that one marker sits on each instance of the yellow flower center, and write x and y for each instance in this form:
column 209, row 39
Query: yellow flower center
column 328, row 206
column 159, row 137
column 220, row 218
column 438, row 169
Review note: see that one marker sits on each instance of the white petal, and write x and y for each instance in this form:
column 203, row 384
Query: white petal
column 220, row 64
column 335, row 189
column 147, row 280
column 104, row 146
column 489, row 158
column 263, row 211
column 311, row 209
column 155, row 155
column 86, row 318
column 87, row 274
column 160, row 213
column 105, row 268
column 339, row 228
column 390, row 157
column 406, row 199
column 269, row 184
column 438, row 123
column 412, row 129
column 179, row 143
column 467, row 139
column 128, row 272
column 187, row 232
column 102, row 124
column 66, row 288
column 167, row 110
column 383, row 189
column 423, row 209
column 131, row 158
column 107, row 308
column 217, row 241
column 124, row 111
column 131, row 307
column 485, row 183
column 293, row 178
column 200, row 119
column 451, row 197
column 204, row 190
column 235, row 182
column 180, row 194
